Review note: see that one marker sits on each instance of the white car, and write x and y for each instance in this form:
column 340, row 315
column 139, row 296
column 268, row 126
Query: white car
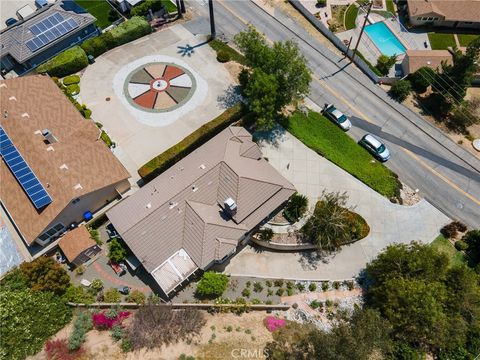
column 335, row 115
column 375, row 147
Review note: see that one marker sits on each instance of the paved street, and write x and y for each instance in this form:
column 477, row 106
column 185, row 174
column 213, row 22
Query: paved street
column 425, row 159
column 311, row 174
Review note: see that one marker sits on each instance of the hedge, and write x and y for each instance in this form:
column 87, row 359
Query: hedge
column 177, row 152
column 68, row 62
column 127, row 31
column 154, row 5
column 70, row 80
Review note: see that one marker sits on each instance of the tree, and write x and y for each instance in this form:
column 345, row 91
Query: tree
column 422, row 79
column 27, row 319
column 212, row 285
column 466, row 114
column 281, row 67
column 116, row 251
column 400, row 90
column 385, row 63
column 472, row 238
column 261, row 91
column 44, row 274
column 328, row 226
column 296, row 207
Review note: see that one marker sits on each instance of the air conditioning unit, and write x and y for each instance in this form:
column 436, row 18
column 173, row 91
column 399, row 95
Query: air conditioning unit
column 48, row 136
column 230, row 206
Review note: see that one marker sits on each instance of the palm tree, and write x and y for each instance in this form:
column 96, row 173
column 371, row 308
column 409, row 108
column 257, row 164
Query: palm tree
column 297, row 206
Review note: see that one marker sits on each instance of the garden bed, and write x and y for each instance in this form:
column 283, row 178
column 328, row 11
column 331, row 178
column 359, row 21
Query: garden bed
column 328, row 140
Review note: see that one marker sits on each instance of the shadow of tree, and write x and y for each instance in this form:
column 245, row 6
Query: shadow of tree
column 231, row 97
column 273, row 136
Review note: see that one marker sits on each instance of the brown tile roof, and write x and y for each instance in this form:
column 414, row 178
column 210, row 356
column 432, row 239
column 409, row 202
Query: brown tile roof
column 35, row 103
column 182, row 208
column 75, row 241
column 431, row 58
column 451, row 10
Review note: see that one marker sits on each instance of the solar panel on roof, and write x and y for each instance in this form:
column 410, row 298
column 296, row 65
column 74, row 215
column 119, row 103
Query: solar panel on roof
column 22, row 172
column 50, row 29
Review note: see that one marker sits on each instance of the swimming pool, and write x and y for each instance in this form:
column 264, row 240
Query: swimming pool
column 385, row 39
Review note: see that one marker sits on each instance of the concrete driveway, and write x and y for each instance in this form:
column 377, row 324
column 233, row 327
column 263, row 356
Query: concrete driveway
column 138, row 142
column 311, row 174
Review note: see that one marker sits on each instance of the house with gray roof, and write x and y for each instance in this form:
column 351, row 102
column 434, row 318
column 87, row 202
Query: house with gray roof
column 197, row 212
column 43, row 34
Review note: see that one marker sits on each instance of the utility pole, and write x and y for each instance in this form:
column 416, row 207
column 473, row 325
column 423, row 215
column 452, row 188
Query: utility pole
column 179, row 9
column 182, row 6
column 213, row 34
column 361, row 31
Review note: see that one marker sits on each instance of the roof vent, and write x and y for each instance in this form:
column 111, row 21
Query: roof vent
column 3, row 84
column 12, row 98
column 50, row 148
column 194, row 188
column 25, row 115
column 172, row 205
column 202, row 166
column 230, row 206
column 48, row 136
column 64, row 167
column 5, row 114
column 149, row 205
column 78, row 187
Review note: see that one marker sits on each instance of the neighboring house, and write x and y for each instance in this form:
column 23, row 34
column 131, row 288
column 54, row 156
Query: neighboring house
column 78, row 246
column 415, row 59
column 55, row 169
column 446, row 13
column 198, row 211
column 43, row 34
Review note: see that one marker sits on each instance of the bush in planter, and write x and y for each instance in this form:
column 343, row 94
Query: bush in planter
column 73, row 89
column 312, row 287
column 223, row 56
column 71, row 79
column 111, row 296
column 461, row 245
column 136, row 297
column 296, row 207
column 67, row 62
column 97, row 284
column 265, row 234
column 212, row 285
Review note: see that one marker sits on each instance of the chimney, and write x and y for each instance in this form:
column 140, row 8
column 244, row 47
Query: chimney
column 48, row 136
column 230, row 206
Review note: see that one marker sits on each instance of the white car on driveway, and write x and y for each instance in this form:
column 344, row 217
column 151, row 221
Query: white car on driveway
column 335, row 115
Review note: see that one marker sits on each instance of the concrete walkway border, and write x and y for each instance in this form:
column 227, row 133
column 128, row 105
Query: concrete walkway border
column 255, row 307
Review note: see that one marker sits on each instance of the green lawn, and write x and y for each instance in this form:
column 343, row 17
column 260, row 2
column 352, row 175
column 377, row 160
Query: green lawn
column 443, row 245
column 350, row 16
column 324, row 137
column 219, row 45
column 465, row 39
column 440, row 41
column 98, row 8
column 390, row 6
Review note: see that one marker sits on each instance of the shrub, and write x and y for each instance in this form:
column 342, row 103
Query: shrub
column 329, row 303
column 350, row 284
column 67, row 62
column 300, row 287
column 78, row 295
column 268, row 302
column 460, row 226
column 290, row 284
column 336, row 285
column 98, row 45
column 256, row 301
column 111, row 296
column 102, row 322
column 385, row 63
column 289, row 291
column 79, row 270
column 257, row 287
column 248, row 284
column 44, row 274
column 130, row 30
column 223, row 56
column 59, row 350
column 422, row 79
column 322, row 3
column 143, row 8
column 296, row 207
column 117, row 332
column 126, row 345
column 265, row 234
column 154, row 326
column 268, row 283
column 136, row 297
column 27, row 319
column 246, row 292
column 94, row 234
column 315, row 304
column 71, row 79
column 325, row 286
column 278, row 282
column 272, row 323
column 177, row 152
column 312, row 287
column 269, row 292
column 116, row 251
column 220, row 46
column 14, row 280
column 212, row 285
column 83, row 324
column 280, row 292
column 461, row 245
column 97, row 284
column 400, row 90
column 73, row 89
column 449, row 230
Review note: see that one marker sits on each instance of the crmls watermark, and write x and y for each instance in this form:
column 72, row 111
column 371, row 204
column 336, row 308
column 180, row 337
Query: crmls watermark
column 249, row 353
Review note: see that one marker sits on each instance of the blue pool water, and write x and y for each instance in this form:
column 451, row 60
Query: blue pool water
column 384, row 39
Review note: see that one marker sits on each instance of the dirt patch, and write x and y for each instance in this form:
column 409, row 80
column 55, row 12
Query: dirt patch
column 336, row 22
column 233, row 69
column 409, row 196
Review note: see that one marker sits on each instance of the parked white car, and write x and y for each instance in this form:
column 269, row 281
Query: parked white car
column 375, row 147
column 335, row 115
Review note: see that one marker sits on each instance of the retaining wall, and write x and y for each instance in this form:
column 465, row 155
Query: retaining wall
column 255, row 307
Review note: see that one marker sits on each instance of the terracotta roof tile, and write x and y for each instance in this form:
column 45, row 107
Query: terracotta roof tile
column 451, row 10
column 75, row 241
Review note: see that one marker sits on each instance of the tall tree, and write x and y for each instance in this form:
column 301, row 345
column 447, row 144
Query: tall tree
column 44, row 274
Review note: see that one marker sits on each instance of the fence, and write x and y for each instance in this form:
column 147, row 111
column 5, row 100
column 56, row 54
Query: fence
column 254, row 307
column 334, row 39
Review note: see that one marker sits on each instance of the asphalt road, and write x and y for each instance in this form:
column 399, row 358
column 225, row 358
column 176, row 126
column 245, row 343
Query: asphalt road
column 424, row 158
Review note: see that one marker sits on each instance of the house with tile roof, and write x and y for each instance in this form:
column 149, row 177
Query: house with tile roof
column 78, row 246
column 43, row 34
column 199, row 211
column 415, row 59
column 445, row 13
column 54, row 167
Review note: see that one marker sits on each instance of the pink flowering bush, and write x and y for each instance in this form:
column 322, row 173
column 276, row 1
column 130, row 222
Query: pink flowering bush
column 272, row 323
column 101, row 321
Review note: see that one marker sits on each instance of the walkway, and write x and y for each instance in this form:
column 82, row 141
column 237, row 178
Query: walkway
column 311, row 174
